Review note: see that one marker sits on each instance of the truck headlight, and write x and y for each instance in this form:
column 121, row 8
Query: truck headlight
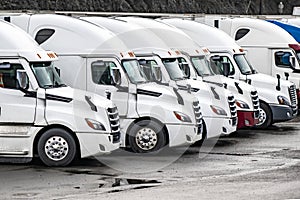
column 283, row 100
column 218, row 110
column 95, row 124
column 182, row 117
column 242, row 104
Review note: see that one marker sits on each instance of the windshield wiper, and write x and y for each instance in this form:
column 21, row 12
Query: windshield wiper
column 140, row 82
column 206, row 74
column 248, row 72
column 61, row 85
column 48, row 86
column 178, row 79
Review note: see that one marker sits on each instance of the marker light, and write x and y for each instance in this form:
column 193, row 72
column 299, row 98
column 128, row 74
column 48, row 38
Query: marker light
column 182, row 117
column 95, row 124
column 242, row 104
column 131, row 54
column 296, row 47
column 218, row 110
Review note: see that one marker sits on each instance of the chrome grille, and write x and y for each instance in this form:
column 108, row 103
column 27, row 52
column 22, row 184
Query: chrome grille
column 198, row 116
column 232, row 106
column 293, row 97
column 255, row 101
column 233, row 112
column 114, row 123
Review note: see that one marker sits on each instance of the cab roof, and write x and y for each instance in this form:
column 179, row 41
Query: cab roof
column 260, row 32
column 170, row 35
column 75, row 36
column 17, row 43
column 204, row 35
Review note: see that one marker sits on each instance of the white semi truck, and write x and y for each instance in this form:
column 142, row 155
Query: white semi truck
column 278, row 99
column 40, row 115
column 193, row 55
column 152, row 51
column 92, row 58
column 292, row 27
column 269, row 48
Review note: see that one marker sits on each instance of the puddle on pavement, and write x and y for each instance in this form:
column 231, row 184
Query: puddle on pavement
column 224, row 143
column 247, row 133
column 282, row 130
column 230, row 154
column 136, row 184
column 111, row 182
column 88, row 172
column 135, row 188
column 123, row 181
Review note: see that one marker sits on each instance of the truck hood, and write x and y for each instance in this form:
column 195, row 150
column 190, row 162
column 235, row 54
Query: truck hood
column 69, row 94
column 240, row 90
column 209, row 94
column 71, row 107
column 154, row 87
column 231, row 83
column 268, row 81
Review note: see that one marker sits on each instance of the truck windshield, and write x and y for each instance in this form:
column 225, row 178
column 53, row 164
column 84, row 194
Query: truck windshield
column 243, row 64
column 134, row 71
column 173, row 68
column 298, row 55
column 202, row 66
column 46, row 75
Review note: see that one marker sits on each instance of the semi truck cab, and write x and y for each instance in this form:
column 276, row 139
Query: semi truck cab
column 96, row 60
column 40, row 115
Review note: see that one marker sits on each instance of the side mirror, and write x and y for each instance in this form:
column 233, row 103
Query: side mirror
column 156, row 71
column 293, row 62
column 116, row 77
column 147, row 71
column 22, row 79
column 226, row 68
column 57, row 70
column 186, row 69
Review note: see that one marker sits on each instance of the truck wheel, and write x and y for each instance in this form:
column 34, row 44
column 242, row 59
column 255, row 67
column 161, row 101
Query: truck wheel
column 265, row 117
column 56, row 147
column 146, row 136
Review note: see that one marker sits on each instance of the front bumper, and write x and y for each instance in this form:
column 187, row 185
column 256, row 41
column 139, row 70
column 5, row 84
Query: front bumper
column 94, row 144
column 219, row 126
column 181, row 135
column 246, row 119
column 282, row 113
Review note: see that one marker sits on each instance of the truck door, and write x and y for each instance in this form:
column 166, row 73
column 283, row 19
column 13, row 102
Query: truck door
column 285, row 63
column 99, row 80
column 15, row 106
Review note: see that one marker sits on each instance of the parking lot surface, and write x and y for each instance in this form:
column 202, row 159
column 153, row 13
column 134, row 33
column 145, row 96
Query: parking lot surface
column 249, row 164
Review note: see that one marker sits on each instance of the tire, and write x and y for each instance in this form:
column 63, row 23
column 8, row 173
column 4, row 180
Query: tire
column 60, row 155
column 146, row 136
column 265, row 117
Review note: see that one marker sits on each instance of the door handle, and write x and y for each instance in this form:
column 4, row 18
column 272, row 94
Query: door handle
column 108, row 94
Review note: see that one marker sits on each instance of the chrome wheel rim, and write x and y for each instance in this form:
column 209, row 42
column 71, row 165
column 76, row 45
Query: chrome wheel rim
column 262, row 117
column 146, row 139
column 56, row 148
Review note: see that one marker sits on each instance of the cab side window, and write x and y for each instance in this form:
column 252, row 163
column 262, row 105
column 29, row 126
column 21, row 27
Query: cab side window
column 8, row 75
column 282, row 59
column 147, row 67
column 218, row 65
column 101, row 72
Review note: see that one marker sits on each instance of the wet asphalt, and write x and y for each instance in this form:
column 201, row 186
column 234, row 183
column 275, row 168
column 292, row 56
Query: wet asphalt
column 248, row 164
